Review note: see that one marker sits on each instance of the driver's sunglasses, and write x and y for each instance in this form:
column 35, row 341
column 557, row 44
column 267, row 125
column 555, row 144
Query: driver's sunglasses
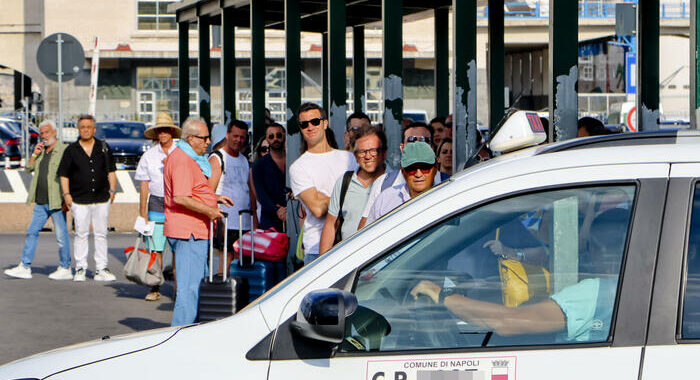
column 279, row 135
column 424, row 139
column 423, row 167
column 315, row 122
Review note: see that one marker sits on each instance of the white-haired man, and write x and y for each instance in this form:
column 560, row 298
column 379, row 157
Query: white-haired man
column 45, row 193
column 190, row 203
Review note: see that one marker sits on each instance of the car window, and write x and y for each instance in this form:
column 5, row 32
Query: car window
column 691, row 299
column 120, row 130
column 540, row 268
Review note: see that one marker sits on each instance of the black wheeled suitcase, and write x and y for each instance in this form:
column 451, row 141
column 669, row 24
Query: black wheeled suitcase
column 220, row 295
column 260, row 275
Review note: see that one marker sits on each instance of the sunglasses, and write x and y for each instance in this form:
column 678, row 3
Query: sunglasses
column 423, row 167
column 279, row 135
column 204, row 138
column 315, row 122
column 263, row 149
column 424, row 139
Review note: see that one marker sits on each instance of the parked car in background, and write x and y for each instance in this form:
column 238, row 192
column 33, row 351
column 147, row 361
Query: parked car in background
column 126, row 140
column 9, row 146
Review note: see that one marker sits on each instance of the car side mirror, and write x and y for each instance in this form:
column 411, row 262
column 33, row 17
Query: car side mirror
column 322, row 314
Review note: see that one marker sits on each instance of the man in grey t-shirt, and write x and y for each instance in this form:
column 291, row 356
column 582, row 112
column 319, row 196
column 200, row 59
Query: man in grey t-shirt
column 369, row 146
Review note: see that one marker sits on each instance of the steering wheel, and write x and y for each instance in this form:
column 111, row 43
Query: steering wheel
column 425, row 324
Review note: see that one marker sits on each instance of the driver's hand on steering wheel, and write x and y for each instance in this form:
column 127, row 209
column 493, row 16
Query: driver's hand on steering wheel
column 427, row 288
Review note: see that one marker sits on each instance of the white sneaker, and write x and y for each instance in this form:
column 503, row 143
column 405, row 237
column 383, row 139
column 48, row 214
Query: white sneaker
column 104, row 275
column 20, row 271
column 61, row 273
column 79, row 275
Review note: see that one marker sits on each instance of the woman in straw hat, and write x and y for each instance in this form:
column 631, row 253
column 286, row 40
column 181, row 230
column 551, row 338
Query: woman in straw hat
column 152, row 193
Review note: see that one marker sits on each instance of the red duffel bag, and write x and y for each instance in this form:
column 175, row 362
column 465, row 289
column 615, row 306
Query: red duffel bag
column 270, row 245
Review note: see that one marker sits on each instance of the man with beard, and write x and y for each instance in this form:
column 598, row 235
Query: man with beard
column 269, row 180
column 351, row 191
column 230, row 177
column 45, row 193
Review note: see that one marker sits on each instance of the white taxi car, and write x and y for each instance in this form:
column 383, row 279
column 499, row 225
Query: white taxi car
column 576, row 260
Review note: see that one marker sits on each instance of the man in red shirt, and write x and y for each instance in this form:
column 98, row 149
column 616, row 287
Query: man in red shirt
column 189, row 206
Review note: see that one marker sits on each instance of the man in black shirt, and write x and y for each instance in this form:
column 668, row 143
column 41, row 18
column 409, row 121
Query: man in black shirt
column 269, row 180
column 88, row 182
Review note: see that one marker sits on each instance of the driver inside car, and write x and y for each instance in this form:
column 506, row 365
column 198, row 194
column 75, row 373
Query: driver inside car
column 582, row 311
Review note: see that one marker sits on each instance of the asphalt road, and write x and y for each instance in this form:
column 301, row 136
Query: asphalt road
column 40, row 314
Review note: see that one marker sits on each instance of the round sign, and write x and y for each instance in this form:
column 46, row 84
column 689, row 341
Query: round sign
column 631, row 120
column 72, row 56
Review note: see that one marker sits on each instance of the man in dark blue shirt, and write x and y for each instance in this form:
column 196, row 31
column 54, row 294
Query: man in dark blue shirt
column 269, row 180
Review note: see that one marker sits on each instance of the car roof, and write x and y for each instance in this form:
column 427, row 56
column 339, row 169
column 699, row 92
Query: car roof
column 627, row 148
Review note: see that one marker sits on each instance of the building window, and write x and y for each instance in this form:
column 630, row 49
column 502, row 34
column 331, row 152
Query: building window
column 154, row 15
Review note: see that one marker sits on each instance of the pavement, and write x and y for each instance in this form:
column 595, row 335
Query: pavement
column 40, row 314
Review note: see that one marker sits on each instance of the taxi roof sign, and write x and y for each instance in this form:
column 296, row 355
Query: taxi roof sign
column 522, row 129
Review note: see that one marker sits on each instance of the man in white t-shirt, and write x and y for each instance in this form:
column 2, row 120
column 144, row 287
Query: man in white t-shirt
column 314, row 174
column 229, row 176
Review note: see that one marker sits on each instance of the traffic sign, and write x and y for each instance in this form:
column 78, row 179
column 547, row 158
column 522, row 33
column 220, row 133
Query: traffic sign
column 61, row 46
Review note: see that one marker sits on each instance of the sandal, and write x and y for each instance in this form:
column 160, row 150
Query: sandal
column 153, row 296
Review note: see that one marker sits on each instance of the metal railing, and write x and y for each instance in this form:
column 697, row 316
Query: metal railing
column 538, row 9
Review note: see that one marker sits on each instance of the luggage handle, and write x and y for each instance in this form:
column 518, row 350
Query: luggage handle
column 240, row 236
column 211, row 246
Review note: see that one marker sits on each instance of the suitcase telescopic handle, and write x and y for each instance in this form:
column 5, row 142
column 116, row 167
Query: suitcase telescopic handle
column 252, row 235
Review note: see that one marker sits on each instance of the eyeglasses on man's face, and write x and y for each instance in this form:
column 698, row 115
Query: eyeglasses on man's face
column 204, row 138
column 370, row 152
column 315, row 122
column 411, row 139
column 279, row 136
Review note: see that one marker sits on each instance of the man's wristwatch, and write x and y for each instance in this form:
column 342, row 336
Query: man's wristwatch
column 446, row 292
column 112, row 191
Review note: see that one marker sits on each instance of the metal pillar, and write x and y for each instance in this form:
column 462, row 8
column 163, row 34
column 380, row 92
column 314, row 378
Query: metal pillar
column 183, row 69
column 337, row 69
column 694, row 67
column 324, row 71
column 358, row 67
column 257, row 67
column 442, row 62
column 228, row 66
column 204, row 66
column 292, row 28
column 563, row 66
column 648, row 65
column 496, row 63
column 392, row 17
column 464, row 133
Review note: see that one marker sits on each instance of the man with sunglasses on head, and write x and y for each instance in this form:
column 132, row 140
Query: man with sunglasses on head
column 354, row 122
column 418, row 169
column 269, row 180
column 414, row 132
column 352, row 189
column 314, row 173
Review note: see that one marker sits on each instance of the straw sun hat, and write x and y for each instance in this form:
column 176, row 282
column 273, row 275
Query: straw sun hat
column 163, row 120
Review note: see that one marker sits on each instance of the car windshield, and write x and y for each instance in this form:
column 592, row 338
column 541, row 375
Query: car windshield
column 120, row 130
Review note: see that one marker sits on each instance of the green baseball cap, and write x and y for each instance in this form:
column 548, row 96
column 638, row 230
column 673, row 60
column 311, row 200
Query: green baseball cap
column 417, row 152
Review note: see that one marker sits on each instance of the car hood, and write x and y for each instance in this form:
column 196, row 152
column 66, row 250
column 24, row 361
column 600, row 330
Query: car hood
column 127, row 145
column 47, row 363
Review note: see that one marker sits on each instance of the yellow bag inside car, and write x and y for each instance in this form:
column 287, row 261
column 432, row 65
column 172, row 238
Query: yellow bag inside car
column 522, row 282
